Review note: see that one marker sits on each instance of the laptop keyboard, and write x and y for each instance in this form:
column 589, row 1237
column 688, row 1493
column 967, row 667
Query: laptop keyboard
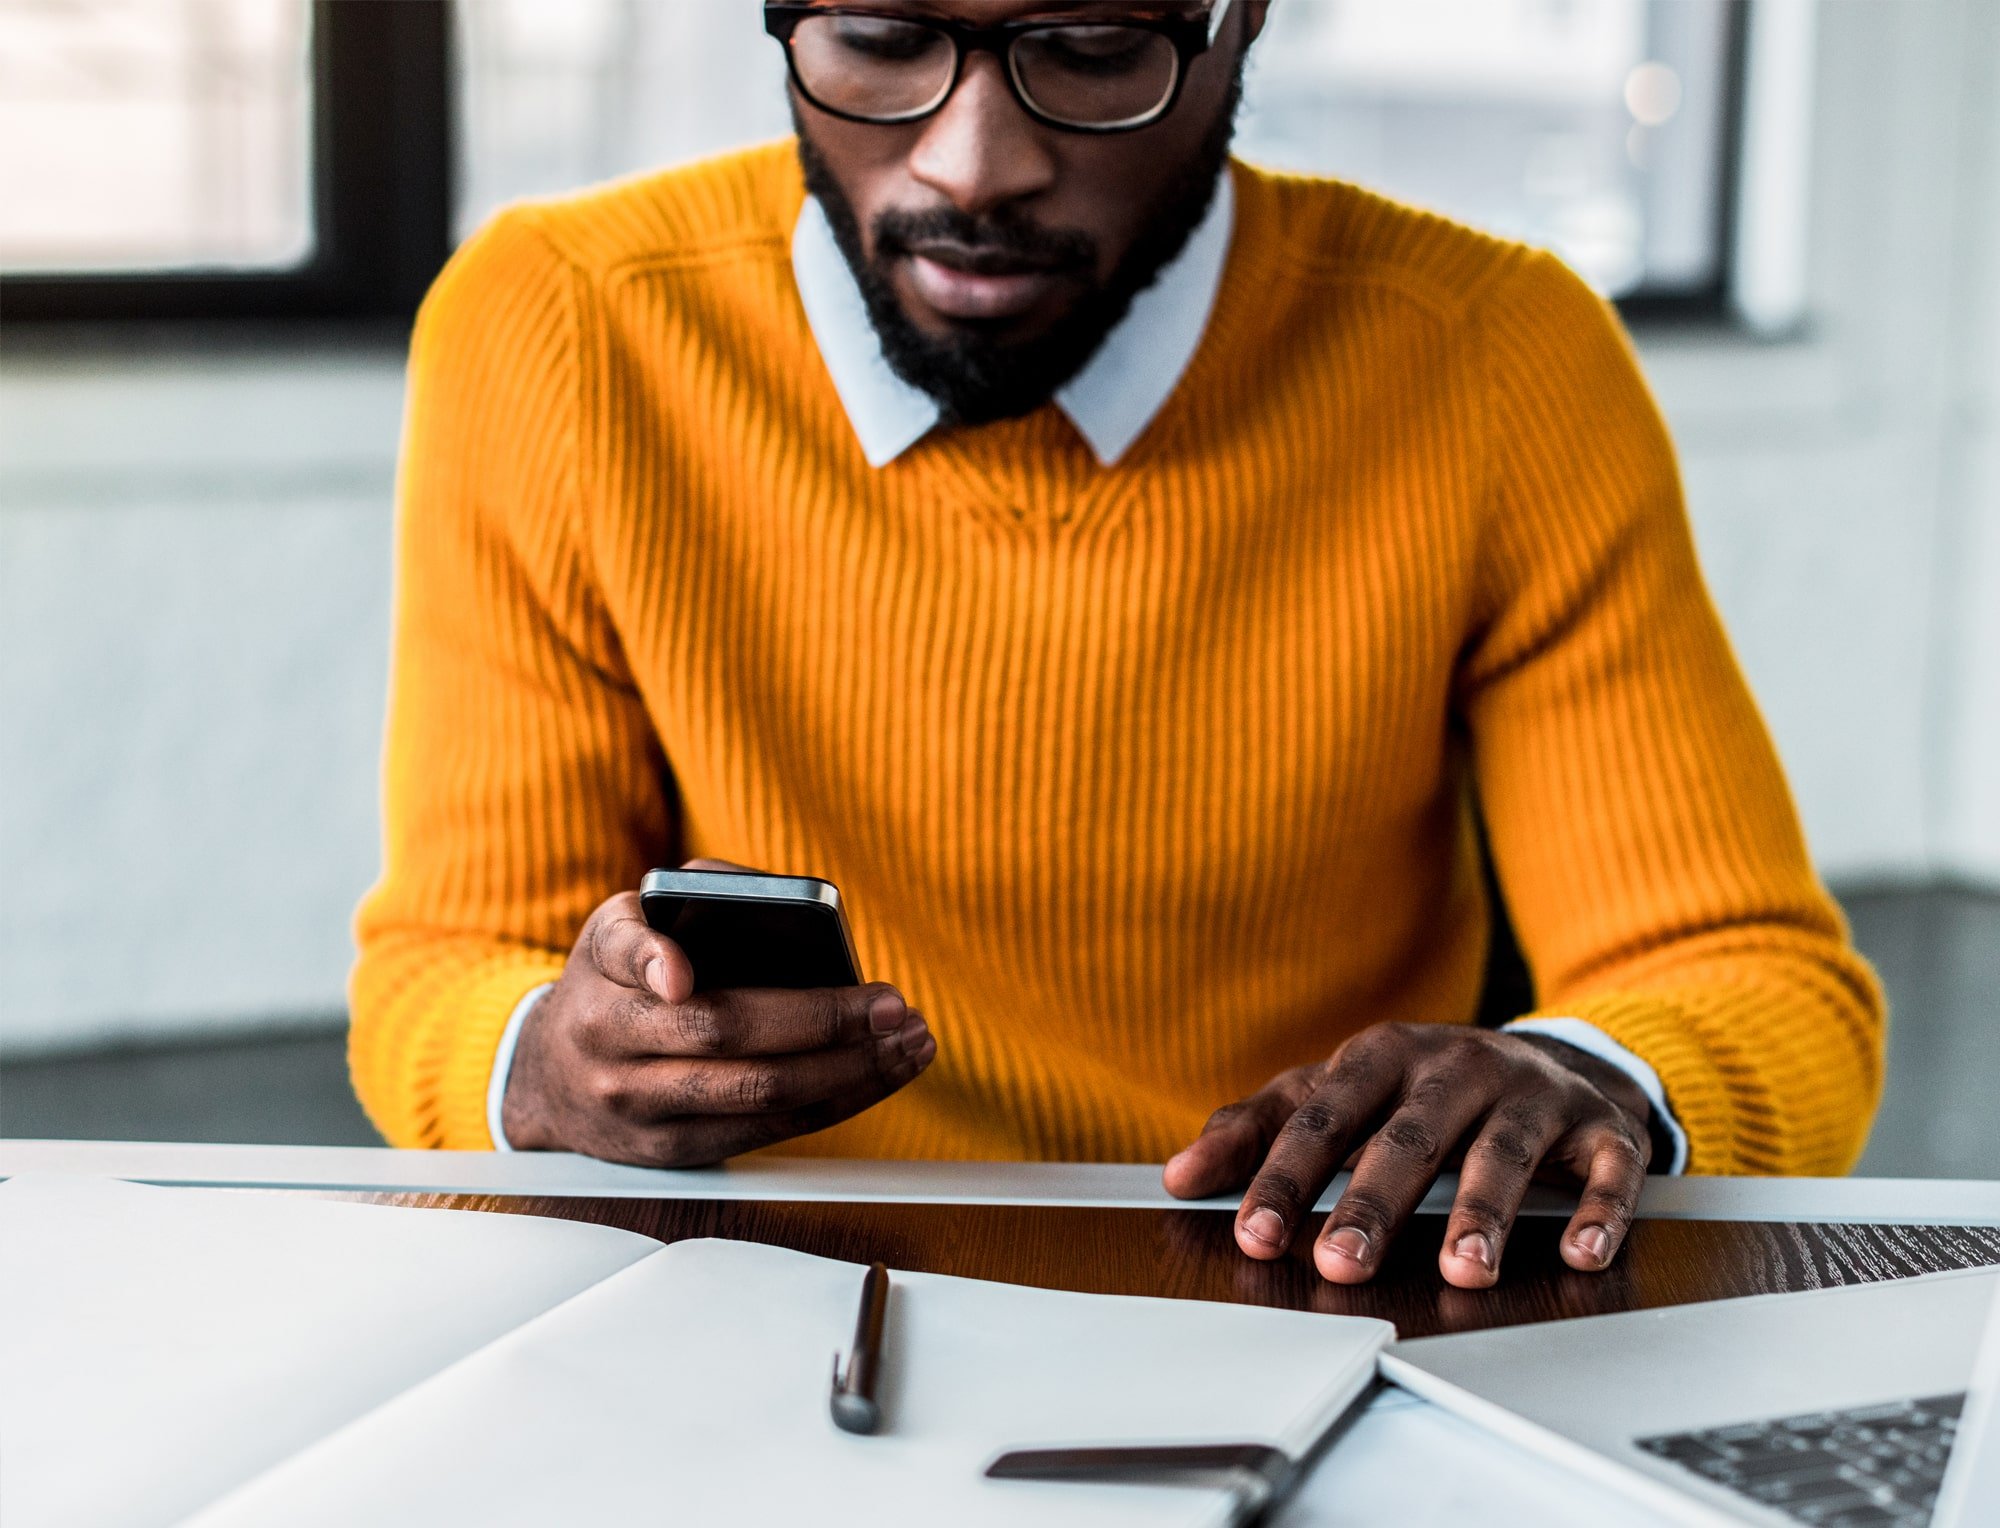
column 1872, row 1467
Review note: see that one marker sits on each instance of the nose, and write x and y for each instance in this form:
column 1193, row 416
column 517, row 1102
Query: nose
column 982, row 150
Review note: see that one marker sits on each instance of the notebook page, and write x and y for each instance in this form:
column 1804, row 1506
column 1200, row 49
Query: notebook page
column 692, row 1388
column 161, row 1345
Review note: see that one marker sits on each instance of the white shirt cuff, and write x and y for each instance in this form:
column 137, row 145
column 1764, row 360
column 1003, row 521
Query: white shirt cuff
column 1589, row 1038
column 503, row 1063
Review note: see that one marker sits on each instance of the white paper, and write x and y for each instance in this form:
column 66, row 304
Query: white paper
column 692, row 1388
column 1408, row 1463
column 1970, row 1492
column 159, row 1346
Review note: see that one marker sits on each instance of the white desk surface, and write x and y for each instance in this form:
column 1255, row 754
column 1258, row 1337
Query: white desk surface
column 1882, row 1201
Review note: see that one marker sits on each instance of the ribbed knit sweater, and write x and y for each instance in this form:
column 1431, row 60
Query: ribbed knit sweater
column 1142, row 782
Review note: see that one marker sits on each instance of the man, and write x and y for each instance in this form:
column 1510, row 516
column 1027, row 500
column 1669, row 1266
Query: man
column 1121, row 571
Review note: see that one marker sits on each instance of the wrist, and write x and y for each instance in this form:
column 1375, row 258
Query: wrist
column 521, row 1114
column 1609, row 1080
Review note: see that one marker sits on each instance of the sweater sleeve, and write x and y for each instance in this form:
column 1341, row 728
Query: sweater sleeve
column 1642, row 830
column 523, row 780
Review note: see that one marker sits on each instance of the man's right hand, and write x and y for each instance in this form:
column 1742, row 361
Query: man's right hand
column 623, row 1060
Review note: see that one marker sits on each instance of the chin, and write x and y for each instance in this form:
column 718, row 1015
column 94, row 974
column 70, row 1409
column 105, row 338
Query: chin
column 943, row 328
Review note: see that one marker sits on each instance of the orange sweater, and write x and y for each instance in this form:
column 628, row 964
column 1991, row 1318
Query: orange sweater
column 1145, row 782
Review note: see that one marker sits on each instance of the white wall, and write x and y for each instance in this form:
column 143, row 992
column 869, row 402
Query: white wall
column 1843, row 484
column 194, row 577
column 194, row 581
column 1969, row 790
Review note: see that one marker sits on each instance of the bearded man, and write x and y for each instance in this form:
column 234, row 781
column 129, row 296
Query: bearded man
column 1134, row 578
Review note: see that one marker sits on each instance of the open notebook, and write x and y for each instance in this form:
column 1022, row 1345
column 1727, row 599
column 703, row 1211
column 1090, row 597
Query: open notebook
column 225, row 1358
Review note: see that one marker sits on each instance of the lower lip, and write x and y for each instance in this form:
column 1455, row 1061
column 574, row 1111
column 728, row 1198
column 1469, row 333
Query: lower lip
column 964, row 294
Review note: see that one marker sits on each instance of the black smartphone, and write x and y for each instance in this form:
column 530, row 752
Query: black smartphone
column 745, row 930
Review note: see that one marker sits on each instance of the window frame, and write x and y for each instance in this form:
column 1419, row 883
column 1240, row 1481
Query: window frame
column 381, row 192
column 384, row 173
column 1711, row 305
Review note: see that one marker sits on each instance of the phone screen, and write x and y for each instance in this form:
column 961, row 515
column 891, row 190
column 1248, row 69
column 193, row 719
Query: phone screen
column 733, row 942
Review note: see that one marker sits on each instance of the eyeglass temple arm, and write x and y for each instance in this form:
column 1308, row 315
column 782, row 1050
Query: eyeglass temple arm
column 1215, row 18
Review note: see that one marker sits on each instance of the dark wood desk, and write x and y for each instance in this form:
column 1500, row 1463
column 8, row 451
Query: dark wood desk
column 1111, row 1228
column 1190, row 1254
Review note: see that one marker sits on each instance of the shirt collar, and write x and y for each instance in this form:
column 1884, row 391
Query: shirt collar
column 1111, row 401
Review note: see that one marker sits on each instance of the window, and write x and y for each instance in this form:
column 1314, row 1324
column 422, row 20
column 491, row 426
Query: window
column 214, row 158
column 1597, row 128
column 321, row 156
column 560, row 93
column 150, row 136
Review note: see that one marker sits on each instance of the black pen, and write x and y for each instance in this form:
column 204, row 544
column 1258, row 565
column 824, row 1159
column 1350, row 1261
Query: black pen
column 853, row 1399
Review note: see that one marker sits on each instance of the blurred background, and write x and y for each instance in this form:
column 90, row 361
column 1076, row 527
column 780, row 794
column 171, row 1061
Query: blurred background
column 216, row 217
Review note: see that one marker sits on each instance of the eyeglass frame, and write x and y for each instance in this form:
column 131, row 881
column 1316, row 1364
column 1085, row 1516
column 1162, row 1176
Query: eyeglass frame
column 1192, row 33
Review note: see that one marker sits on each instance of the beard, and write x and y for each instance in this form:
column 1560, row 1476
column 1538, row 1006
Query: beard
column 977, row 378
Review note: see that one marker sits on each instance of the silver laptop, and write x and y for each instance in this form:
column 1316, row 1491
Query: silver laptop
column 1861, row 1407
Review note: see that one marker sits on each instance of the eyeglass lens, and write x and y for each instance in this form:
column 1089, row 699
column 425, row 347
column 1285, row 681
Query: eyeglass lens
column 888, row 69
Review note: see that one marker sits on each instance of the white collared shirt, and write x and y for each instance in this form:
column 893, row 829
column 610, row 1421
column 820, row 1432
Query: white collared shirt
column 1111, row 400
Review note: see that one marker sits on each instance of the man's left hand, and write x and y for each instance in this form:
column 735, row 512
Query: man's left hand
column 1398, row 1100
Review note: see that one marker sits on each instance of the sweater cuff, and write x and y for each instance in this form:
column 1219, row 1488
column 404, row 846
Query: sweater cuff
column 1591, row 1040
column 1660, row 1033
column 481, row 1010
column 503, row 1065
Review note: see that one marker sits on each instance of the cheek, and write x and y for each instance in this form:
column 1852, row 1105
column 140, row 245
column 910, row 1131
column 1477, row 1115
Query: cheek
column 868, row 164
column 1110, row 193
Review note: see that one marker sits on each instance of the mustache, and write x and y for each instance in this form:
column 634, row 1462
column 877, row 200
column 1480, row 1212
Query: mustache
column 994, row 243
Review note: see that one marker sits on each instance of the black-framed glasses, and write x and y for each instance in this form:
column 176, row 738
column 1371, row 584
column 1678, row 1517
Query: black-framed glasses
column 1086, row 75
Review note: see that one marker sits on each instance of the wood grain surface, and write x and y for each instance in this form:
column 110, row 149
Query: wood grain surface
column 1190, row 1254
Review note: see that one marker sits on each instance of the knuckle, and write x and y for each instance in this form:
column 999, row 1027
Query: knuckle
column 1525, row 1117
column 1373, row 1042
column 701, row 1027
column 612, row 1093
column 1279, row 1188
column 1614, row 1211
column 825, row 1016
column 594, row 933
column 1509, row 1148
column 1481, row 1213
column 1297, row 1085
column 757, row 1091
column 1413, row 1138
column 1434, row 1089
column 625, row 1015
column 603, row 926
column 606, row 1029
column 1624, row 1140
column 1228, row 1114
column 1365, row 1208
column 593, row 1025
column 1315, row 1118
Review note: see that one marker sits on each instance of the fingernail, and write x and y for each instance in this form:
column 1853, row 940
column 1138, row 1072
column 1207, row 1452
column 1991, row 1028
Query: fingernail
column 885, row 1013
column 1351, row 1242
column 1474, row 1247
column 1595, row 1243
column 924, row 1051
column 656, row 975
column 913, row 1034
column 1266, row 1226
